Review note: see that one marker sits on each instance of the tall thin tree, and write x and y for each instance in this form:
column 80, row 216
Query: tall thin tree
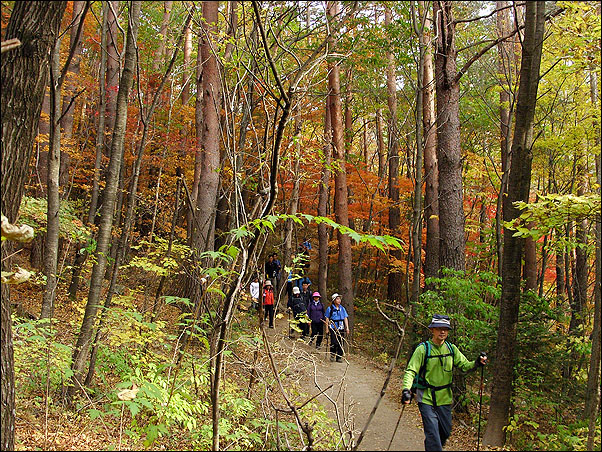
column 519, row 182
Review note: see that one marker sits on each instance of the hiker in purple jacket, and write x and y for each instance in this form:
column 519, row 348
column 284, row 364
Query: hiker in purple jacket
column 315, row 311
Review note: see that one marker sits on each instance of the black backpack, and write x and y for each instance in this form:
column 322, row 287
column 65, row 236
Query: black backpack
column 420, row 381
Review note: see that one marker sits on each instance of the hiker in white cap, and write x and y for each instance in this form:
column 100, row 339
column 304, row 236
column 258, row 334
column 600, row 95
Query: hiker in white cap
column 431, row 379
column 336, row 317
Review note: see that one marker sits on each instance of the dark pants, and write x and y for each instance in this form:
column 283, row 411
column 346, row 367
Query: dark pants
column 437, row 422
column 317, row 329
column 336, row 343
column 268, row 310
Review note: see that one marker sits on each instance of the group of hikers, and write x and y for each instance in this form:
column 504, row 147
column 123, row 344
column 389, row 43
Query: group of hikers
column 428, row 374
column 309, row 312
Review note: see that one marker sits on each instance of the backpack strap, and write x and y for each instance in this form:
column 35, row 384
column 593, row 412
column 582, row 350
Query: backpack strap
column 422, row 372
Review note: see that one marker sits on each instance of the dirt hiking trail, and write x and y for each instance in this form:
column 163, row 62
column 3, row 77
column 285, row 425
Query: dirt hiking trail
column 356, row 385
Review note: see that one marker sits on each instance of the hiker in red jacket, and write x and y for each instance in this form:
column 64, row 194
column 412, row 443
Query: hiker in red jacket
column 268, row 302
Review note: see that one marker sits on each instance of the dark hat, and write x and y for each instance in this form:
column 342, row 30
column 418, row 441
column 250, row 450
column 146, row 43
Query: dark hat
column 440, row 321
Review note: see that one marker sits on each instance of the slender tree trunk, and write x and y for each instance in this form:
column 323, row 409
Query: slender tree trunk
column 581, row 268
column 340, row 176
column 112, row 70
column 395, row 280
column 198, row 155
column 431, row 168
column 452, row 244
column 51, row 248
column 163, row 36
column 185, row 77
column 323, row 196
column 419, row 27
column 82, row 346
column 380, row 145
column 24, row 74
column 100, row 136
column 505, row 59
column 294, row 199
column 518, row 190
column 592, row 394
column 71, row 81
column 530, row 265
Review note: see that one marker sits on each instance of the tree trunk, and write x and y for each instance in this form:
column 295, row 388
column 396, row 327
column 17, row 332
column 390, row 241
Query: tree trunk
column 345, row 287
column 203, row 232
column 72, row 85
column 452, row 244
column 518, row 190
column 395, row 279
column 185, row 77
column 380, row 145
column 51, row 248
column 24, row 74
column 82, row 346
column 530, row 265
column 431, row 168
column 581, row 268
column 163, row 36
column 323, row 196
column 100, row 136
column 592, row 394
column 112, row 72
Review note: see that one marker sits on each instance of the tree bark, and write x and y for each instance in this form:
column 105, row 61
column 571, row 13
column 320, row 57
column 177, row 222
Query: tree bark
column 395, row 279
column 323, row 196
column 592, row 394
column 340, row 176
column 112, row 70
column 203, row 233
column 518, row 190
column 24, row 74
column 158, row 60
column 452, row 244
column 431, row 168
column 185, row 77
column 82, row 346
column 380, row 145
column 74, row 68
column 51, row 248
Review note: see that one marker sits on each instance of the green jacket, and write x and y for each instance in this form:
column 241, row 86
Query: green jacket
column 438, row 372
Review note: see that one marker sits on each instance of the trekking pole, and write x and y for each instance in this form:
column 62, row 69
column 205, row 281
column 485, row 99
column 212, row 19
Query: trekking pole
column 396, row 426
column 480, row 405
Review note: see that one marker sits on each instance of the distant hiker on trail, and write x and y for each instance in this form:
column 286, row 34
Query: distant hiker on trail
column 254, row 290
column 299, row 308
column 268, row 302
column 306, row 292
column 336, row 317
column 277, row 267
column 300, row 281
column 315, row 311
column 270, row 267
column 431, row 380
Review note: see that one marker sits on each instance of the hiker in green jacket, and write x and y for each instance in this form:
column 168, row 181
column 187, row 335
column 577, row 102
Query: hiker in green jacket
column 429, row 376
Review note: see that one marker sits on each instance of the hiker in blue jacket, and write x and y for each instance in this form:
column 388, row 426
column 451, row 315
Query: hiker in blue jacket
column 336, row 318
column 431, row 380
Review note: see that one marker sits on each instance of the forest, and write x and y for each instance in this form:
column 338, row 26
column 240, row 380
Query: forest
column 413, row 157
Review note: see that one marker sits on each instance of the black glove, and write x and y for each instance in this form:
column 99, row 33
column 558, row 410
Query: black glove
column 478, row 360
column 406, row 396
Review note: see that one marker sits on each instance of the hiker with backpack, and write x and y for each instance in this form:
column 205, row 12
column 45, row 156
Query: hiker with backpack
column 428, row 376
column 299, row 308
column 336, row 317
column 268, row 302
column 315, row 311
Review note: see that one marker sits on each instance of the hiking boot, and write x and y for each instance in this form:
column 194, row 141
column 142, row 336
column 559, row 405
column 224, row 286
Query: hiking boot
column 339, row 359
column 331, row 358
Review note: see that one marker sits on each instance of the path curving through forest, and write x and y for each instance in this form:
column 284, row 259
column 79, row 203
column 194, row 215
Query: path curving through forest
column 356, row 385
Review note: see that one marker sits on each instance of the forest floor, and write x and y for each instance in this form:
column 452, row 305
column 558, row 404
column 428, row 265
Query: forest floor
column 356, row 385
